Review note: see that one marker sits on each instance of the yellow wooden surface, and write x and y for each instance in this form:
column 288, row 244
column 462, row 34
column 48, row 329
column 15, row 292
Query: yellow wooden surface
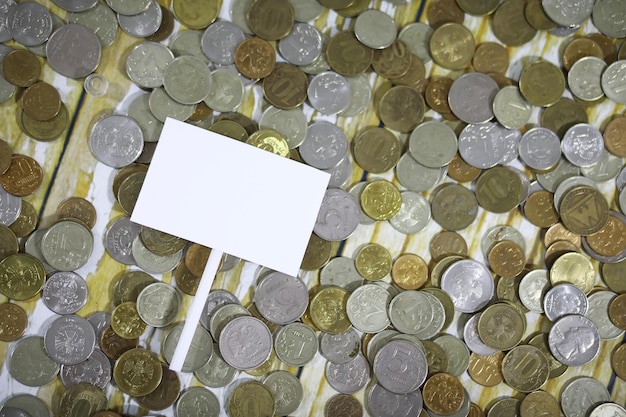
column 71, row 170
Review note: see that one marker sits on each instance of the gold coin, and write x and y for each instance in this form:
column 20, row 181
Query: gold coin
column 137, row 372
column 21, row 68
column 525, row 368
column 376, row 150
column 461, row 171
column 506, row 258
column 6, row 153
column 129, row 285
column 129, row 191
column 373, row 262
column 271, row 141
column 557, row 249
column 255, row 58
column 409, row 272
column 328, row 310
column 539, row 209
column 201, row 112
column 541, row 83
column 564, row 114
column 251, row 394
column 13, row 322
column 613, row 275
column 610, row 240
column 241, row 119
column 437, row 94
column 231, row 129
column 22, row 276
column 509, row 24
column 539, row 400
column 185, row 280
column 475, row 411
column 25, row 223
column 540, row 341
column 440, row 12
column 381, row 200
column 486, row 370
column 343, row 405
column 161, row 243
column 499, row 189
column 77, row 208
column 196, row 258
column 558, row 232
column 23, row 177
column 501, row 326
column 452, row 46
column 346, row 55
column 478, row 7
column 615, row 136
column 454, row 207
column 580, row 48
column 8, row 242
column 415, row 76
column 270, row 19
column 123, row 173
column 618, row 361
column 617, row 311
column 81, row 397
column 41, row 101
column 113, row 345
column 584, row 210
column 443, row 394
column 537, row 17
column 436, row 357
column 165, row 394
column 286, row 86
column 317, row 253
column 393, row 61
column 196, row 14
column 401, row 108
column 574, row 268
column 491, row 57
column 125, row 321
column 446, row 243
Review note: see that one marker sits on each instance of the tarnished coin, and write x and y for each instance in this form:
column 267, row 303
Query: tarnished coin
column 401, row 108
column 74, row 51
column 240, row 397
column 113, row 345
column 165, row 394
column 13, row 322
column 270, row 19
column 501, row 326
column 529, row 377
column 454, row 207
column 542, row 83
column 376, row 150
column 82, row 395
column 216, row 372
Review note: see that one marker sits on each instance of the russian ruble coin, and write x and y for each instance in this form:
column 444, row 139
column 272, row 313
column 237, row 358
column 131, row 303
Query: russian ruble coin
column 470, row 285
column 446, row 404
column 187, row 404
column 330, row 227
column 582, row 144
column 341, row 272
column 472, row 338
column 287, row 391
column 329, row 92
column 532, row 288
column 22, row 276
column 33, row 405
column 501, row 326
column 79, row 397
column 116, row 140
column 344, row 405
column 539, row 399
column 223, row 315
column 457, row 353
column 528, row 377
column 324, row 145
column 146, row 63
column 100, row 19
column 281, row 298
column 29, row 23
column 477, row 89
column 367, row 308
column 574, row 340
column 125, row 321
column 584, row 78
column 70, row 340
column 457, row 215
column 349, row 377
column 375, row 29
column 73, row 50
column 215, row 300
column 178, row 76
column 30, row 364
column 241, row 395
column 95, row 370
column 295, row 334
column 137, row 372
column 13, row 322
column 65, row 292
column 598, row 312
column 152, row 263
column 199, row 352
column 144, row 24
column 245, row 343
column 216, row 373
column 413, row 370
column 158, row 304
column 606, row 408
column 433, row 153
column 378, row 400
column 342, row 347
column 99, row 320
column 165, row 394
column 486, row 370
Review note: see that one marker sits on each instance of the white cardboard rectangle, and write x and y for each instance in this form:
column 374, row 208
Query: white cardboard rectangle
column 228, row 195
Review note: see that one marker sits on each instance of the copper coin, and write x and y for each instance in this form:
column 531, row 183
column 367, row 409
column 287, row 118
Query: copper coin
column 615, row 136
column 201, row 112
column 443, row 394
column 579, row 48
column 461, row 171
column 447, row 243
column 491, row 57
column 166, row 28
column 618, row 361
column 124, row 173
column 611, row 239
column 414, row 77
column 539, row 209
column 559, row 232
column 401, row 108
column 23, row 177
column 556, row 249
column 617, row 311
column 196, row 258
column 185, row 280
column 286, row 86
column 393, row 61
column 444, row 11
column 21, row 67
column 77, row 208
column 486, row 370
column 47, row 130
column 113, row 345
column 255, row 58
column 249, row 125
column 507, row 258
column 270, row 19
column 437, row 94
column 409, row 271
column 165, row 394
column 6, row 153
column 41, row 101
column 346, row 55
column 606, row 44
column 13, row 322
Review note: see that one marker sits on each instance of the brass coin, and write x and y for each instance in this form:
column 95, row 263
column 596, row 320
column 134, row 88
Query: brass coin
column 241, row 119
column 610, row 240
column 606, row 44
column 129, row 285
column 21, row 276
column 376, row 150
column 501, row 326
column 201, row 112
column 125, row 321
column 286, row 86
column 41, row 101
column 137, row 372
column 537, row 17
column 80, row 397
column 415, row 76
column 355, row 9
column 161, row 243
column 401, row 108
column 475, row 411
column 113, row 345
column 77, row 208
column 617, row 311
column 452, row 46
column 507, row 290
column 337, row 4
column 555, row 250
column 539, row 209
column 584, row 210
column 26, row 222
column 271, row 141
column 615, row 136
column 21, row 67
column 509, row 24
column 436, row 357
column 239, row 400
column 525, row 368
column 381, row 200
column 446, row 243
column 317, row 253
column 558, row 232
column 165, row 28
column 499, row 189
column 486, row 370
column 270, row 19
column 129, row 191
column 409, row 272
column 393, row 61
column 579, row 48
column 613, row 275
column 491, row 57
column 328, row 310
column 461, row 171
column 437, row 94
column 564, row 114
column 542, row 83
column 440, row 12
column 185, row 280
column 346, row 55
column 255, row 58
column 13, row 322
column 23, row 177
column 507, row 258
column 123, row 173
column 373, row 262
column 8, row 241
column 343, row 405
column 478, row 7
column 539, row 400
column 6, row 153
column 196, row 14
column 230, row 129
column 540, row 341
column 165, row 394
column 574, row 268
column 618, row 361
column 45, row 131
column 196, row 258
column 443, row 394
column 454, row 207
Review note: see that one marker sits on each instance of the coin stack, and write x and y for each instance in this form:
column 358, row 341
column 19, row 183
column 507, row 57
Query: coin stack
column 471, row 243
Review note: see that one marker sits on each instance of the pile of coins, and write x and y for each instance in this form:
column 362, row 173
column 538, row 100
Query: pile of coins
column 448, row 148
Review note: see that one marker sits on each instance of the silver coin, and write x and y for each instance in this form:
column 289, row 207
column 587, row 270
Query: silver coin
column 607, row 167
column 355, row 191
column 417, row 177
column 67, row 245
column 29, row 23
column 100, row 19
column 295, row 344
column 129, row 7
column 75, row 5
column 417, row 36
column 482, row 145
column 567, row 14
column 414, row 214
column 574, row 340
column 146, row 63
column 540, row 148
column 383, row 403
column 350, row 377
column 6, row 88
column 532, row 289
column 287, row 391
column 40, row 50
column 118, row 240
column 499, row 233
column 10, row 207
column 144, row 24
column 5, row 7
column 613, row 81
column 400, row 367
column 30, row 364
column 324, row 146
column 582, row 144
column 338, row 217
column 158, row 304
column 598, row 312
column 584, row 77
column 511, row 145
column 224, row 315
column 245, row 343
column 74, row 51
column 340, row 174
column 188, row 42
column 216, row 373
column 164, row 106
column 607, row 17
column 472, row 339
column 457, row 352
column 342, row 347
column 510, row 108
column 563, row 170
column 65, row 292
column 187, row 80
column 306, row 10
column 341, row 272
column 281, row 298
column 153, row 263
column 608, row 410
column 410, row 312
column 70, row 340
column 433, row 144
column 291, row 123
column 360, row 95
column 226, row 92
column 367, row 308
column 320, row 64
column 329, row 92
column 8, row 411
column 33, row 248
column 564, row 299
column 471, row 97
column 579, row 396
column 375, row 29
column 95, row 370
column 116, row 141
column 139, row 111
column 219, row 41
column 32, row 404
column 197, row 402
column 99, row 320
column 470, row 285
column 216, row 299
column 378, row 341
column 302, row 45
column 199, row 351
column 238, row 14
